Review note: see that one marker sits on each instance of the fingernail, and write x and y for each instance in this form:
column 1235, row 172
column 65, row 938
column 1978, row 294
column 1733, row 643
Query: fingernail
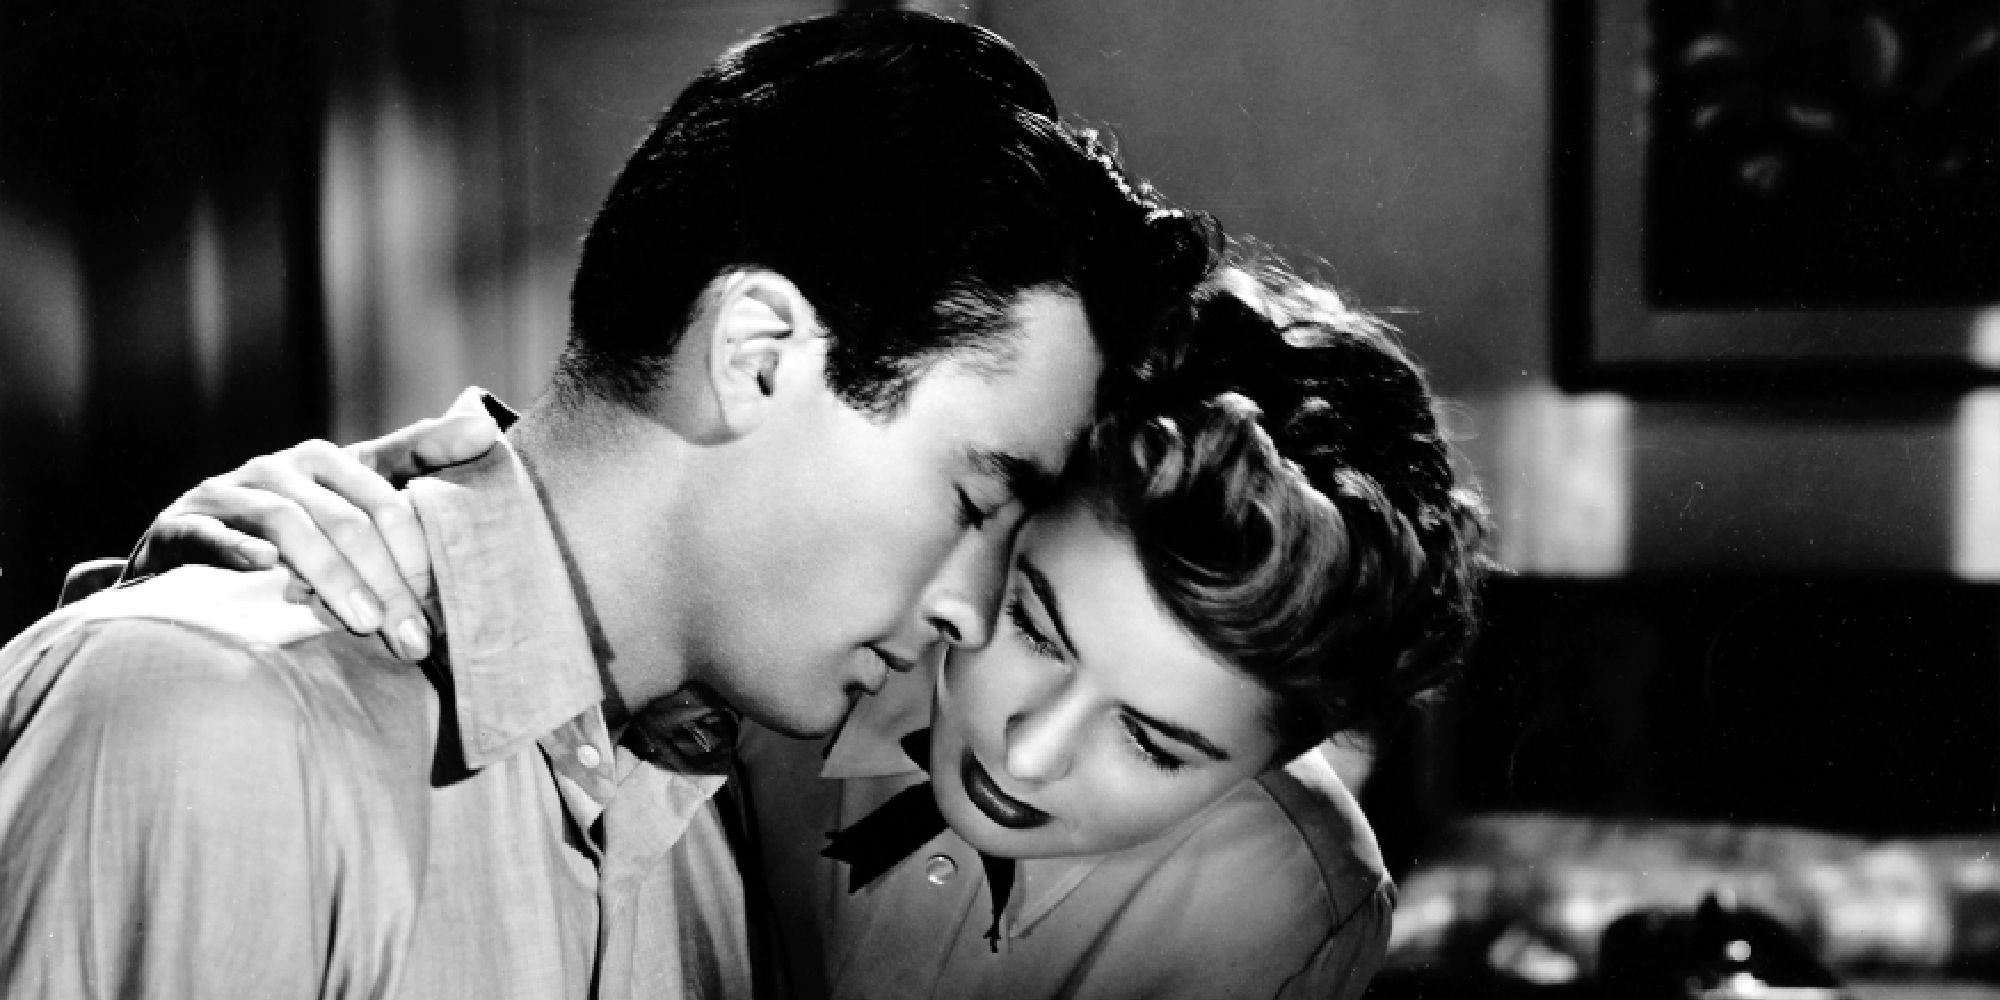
column 367, row 617
column 415, row 641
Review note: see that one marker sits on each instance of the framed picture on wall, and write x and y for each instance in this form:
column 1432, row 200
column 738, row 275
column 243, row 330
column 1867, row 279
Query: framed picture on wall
column 1771, row 198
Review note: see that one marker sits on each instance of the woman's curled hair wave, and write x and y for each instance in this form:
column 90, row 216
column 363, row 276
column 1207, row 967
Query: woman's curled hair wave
column 1282, row 474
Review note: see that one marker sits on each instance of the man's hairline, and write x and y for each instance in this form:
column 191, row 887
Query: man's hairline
column 987, row 358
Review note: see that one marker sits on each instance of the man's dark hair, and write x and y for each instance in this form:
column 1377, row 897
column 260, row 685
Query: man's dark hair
column 908, row 173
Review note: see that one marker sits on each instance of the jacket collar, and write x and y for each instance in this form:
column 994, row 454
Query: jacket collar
column 869, row 744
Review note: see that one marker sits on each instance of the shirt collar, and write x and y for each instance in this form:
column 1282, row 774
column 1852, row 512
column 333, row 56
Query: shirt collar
column 870, row 746
column 515, row 643
column 870, row 741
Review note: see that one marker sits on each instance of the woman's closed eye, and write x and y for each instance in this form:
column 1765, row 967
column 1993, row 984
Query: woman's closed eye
column 1149, row 751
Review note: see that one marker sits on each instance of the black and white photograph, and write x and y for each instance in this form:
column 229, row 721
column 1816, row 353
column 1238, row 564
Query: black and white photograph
column 1111, row 500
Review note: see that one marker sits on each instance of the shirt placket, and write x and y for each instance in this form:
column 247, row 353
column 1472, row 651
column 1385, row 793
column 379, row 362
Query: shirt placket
column 580, row 759
column 640, row 826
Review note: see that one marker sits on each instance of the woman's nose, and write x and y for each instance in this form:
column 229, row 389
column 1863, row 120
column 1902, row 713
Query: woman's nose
column 1041, row 742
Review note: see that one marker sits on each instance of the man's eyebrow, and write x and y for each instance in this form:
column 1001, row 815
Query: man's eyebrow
column 1025, row 481
column 1047, row 595
column 1182, row 734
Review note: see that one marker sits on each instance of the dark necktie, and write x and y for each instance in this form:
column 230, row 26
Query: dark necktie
column 898, row 827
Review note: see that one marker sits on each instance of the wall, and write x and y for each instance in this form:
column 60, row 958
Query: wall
column 159, row 317
column 1407, row 145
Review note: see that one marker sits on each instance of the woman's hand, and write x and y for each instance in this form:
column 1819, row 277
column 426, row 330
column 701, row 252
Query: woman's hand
column 334, row 516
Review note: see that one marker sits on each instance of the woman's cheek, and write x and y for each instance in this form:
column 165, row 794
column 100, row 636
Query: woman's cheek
column 1114, row 806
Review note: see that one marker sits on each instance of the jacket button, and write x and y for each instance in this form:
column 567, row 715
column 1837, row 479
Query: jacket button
column 940, row 868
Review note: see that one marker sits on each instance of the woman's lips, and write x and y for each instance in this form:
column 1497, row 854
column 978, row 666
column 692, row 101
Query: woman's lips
column 998, row 806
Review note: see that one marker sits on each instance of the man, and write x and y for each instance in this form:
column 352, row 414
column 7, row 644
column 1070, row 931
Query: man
column 833, row 330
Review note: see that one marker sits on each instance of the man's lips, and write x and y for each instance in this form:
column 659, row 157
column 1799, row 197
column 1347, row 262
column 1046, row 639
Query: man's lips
column 998, row 806
column 894, row 662
column 877, row 679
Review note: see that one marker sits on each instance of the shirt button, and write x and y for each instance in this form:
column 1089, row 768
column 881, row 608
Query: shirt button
column 940, row 868
column 588, row 756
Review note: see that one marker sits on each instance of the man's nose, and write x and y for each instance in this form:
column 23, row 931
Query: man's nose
column 964, row 599
column 1041, row 741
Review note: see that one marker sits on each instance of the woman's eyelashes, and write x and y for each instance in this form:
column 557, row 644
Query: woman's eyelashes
column 1149, row 751
column 1024, row 625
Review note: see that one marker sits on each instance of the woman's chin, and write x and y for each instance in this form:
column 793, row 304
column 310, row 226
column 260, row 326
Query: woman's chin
column 986, row 836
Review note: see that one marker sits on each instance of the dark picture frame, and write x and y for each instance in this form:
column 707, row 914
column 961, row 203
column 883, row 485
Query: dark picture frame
column 1804, row 198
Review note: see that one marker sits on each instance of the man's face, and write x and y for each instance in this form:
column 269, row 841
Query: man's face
column 854, row 545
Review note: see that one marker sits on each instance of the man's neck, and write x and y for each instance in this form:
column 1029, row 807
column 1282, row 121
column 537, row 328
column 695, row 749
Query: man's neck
column 609, row 487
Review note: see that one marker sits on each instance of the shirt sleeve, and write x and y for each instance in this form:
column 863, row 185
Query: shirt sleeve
column 157, row 806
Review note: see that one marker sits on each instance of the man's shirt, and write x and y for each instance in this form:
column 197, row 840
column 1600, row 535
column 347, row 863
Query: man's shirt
column 1276, row 890
column 208, row 788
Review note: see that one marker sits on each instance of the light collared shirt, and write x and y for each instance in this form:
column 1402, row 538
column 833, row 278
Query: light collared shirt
column 208, row 788
column 1276, row 890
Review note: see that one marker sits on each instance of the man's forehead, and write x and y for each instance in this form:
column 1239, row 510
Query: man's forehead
column 1016, row 422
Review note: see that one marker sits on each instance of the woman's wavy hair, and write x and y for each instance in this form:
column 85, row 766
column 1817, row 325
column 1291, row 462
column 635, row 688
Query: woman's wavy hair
column 1282, row 475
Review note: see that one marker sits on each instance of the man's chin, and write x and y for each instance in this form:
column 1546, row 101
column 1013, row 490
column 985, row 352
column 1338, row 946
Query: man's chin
column 805, row 724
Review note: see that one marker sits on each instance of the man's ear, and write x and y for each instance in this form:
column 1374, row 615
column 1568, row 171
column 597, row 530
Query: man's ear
column 763, row 327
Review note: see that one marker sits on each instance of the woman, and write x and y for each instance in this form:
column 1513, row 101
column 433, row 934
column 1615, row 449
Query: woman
column 1266, row 548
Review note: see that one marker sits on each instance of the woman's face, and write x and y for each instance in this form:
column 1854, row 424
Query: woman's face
column 1093, row 721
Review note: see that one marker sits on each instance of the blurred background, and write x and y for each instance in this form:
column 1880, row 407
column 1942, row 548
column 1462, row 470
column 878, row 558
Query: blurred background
column 1750, row 643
